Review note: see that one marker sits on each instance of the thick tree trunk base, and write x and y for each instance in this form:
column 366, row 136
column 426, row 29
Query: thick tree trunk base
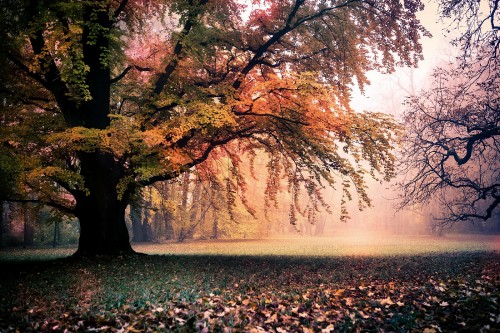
column 102, row 228
column 101, row 211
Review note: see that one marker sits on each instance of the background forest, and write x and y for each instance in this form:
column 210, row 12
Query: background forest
column 230, row 165
column 235, row 137
column 204, row 209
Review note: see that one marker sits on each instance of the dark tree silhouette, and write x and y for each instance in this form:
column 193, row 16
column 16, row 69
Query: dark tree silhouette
column 452, row 144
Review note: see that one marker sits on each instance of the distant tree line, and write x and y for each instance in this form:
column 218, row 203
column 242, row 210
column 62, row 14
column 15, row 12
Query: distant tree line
column 29, row 224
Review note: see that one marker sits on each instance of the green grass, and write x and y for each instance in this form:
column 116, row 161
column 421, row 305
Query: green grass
column 347, row 244
column 410, row 284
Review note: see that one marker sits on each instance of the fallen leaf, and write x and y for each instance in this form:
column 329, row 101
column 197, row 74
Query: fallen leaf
column 386, row 301
column 339, row 292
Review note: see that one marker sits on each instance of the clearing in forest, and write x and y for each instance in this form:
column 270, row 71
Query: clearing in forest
column 399, row 284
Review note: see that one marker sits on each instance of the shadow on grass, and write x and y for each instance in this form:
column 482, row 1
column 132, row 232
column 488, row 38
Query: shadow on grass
column 451, row 291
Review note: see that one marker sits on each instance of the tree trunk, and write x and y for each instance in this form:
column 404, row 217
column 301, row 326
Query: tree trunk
column 215, row 227
column 147, row 221
column 101, row 211
column 165, row 213
column 195, row 213
column 320, row 226
column 184, row 220
column 27, row 227
column 57, row 234
column 136, row 217
column 102, row 227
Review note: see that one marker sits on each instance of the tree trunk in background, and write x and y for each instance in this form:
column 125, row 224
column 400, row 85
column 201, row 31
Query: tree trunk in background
column 195, row 205
column 146, row 222
column 195, row 210
column 320, row 226
column 184, row 211
column 185, row 190
column 215, row 227
column 136, row 218
column 164, row 214
column 57, row 234
column 28, row 231
column 169, row 229
column 157, row 230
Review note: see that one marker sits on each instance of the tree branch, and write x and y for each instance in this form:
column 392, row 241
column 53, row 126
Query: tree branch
column 50, row 203
column 247, row 113
column 126, row 70
column 53, row 81
column 276, row 37
column 120, row 9
column 246, row 133
column 492, row 15
column 485, row 134
column 27, row 71
column 172, row 65
column 121, row 75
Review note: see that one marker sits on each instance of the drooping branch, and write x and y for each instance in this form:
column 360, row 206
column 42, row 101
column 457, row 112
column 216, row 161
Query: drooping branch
column 202, row 157
column 50, row 203
column 451, row 146
column 488, row 212
column 277, row 36
column 270, row 115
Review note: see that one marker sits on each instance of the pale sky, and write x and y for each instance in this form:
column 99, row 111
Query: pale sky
column 384, row 94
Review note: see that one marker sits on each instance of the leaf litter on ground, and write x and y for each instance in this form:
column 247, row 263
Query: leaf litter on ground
column 201, row 293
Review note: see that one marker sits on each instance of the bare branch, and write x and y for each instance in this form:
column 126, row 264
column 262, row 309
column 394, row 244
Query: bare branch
column 126, row 70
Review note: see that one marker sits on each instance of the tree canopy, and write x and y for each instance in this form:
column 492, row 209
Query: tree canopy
column 100, row 98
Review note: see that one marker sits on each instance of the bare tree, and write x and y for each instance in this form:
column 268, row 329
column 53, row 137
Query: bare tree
column 481, row 21
column 452, row 143
column 451, row 148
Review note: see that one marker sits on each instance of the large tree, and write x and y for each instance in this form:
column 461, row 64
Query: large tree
column 452, row 143
column 100, row 98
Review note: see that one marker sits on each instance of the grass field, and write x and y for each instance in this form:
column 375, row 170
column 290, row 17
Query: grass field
column 347, row 244
column 344, row 284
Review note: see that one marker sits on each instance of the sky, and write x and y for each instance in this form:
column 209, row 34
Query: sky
column 436, row 50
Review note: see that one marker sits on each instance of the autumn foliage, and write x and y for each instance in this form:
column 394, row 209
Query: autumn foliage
column 101, row 98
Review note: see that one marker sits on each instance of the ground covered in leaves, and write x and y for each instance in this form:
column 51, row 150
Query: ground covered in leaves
column 187, row 293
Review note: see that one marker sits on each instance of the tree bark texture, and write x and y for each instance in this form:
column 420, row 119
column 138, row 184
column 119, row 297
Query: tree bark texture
column 101, row 211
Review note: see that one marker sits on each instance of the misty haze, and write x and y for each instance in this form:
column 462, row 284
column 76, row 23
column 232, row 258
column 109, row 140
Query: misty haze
column 249, row 166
